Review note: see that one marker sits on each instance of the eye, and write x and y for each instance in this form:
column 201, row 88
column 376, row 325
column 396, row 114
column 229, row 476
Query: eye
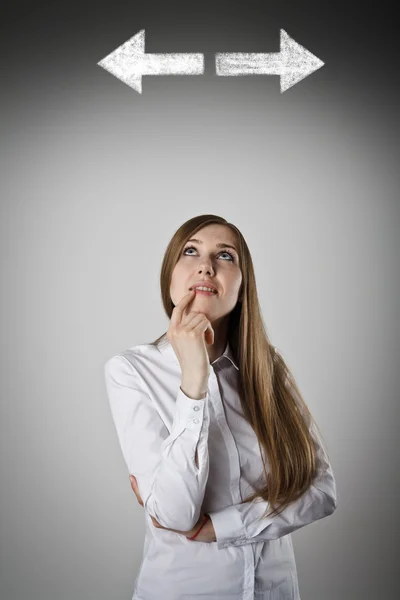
column 223, row 252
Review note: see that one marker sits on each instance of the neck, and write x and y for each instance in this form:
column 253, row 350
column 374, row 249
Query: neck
column 220, row 327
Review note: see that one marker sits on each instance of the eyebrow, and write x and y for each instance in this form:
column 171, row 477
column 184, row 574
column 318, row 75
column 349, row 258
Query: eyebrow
column 219, row 245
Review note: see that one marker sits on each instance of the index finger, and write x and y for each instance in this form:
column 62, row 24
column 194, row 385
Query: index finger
column 176, row 316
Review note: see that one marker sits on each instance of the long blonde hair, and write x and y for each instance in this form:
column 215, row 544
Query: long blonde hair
column 280, row 422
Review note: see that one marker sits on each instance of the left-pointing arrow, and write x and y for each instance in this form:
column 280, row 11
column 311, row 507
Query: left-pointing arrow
column 129, row 62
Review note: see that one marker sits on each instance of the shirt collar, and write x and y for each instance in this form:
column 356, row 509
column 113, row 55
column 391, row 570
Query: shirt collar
column 167, row 350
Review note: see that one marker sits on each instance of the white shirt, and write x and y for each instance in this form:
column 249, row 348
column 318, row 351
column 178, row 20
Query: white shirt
column 159, row 429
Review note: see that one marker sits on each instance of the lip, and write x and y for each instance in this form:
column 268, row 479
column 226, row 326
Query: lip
column 204, row 293
column 204, row 284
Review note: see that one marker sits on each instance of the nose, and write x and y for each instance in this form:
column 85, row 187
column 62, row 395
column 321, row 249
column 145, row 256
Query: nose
column 208, row 270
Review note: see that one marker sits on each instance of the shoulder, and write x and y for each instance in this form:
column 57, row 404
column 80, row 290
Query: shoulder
column 131, row 359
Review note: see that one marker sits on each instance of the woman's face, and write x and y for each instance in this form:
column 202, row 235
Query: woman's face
column 204, row 260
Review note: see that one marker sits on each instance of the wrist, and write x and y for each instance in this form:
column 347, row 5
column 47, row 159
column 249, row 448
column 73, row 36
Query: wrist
column 195, row 392
column 206, row 518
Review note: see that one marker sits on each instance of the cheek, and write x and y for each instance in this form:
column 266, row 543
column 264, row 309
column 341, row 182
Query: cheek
column 179, row 279
column 176, row 275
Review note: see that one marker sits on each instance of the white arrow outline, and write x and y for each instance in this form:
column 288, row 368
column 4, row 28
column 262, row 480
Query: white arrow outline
column 129, row 62
column 293, row 63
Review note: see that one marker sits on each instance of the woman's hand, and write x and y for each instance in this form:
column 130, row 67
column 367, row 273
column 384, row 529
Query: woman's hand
column 207, row 533
column 188, row 334
column 135, row 488
column 189, row 533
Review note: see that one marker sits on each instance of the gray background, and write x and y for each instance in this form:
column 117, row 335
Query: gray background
column 96, row 179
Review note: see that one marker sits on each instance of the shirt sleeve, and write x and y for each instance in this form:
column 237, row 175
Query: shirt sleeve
column 241, row 524
column 171, row 485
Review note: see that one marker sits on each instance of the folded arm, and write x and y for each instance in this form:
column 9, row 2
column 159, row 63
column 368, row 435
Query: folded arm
column 240, row 524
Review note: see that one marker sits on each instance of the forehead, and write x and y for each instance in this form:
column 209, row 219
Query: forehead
column 215, row 233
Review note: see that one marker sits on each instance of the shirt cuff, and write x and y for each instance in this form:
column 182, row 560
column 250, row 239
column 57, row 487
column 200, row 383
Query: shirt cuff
column 228, row 526
column 189, row 414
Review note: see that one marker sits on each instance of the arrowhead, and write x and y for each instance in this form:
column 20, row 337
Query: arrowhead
column 126, row 61
column 297, row 62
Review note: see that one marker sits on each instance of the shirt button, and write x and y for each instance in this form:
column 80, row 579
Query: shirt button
column 196, row 408
column 195, row 420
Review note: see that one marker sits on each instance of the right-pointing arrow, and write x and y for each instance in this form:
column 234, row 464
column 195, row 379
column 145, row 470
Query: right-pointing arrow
column 293, row 63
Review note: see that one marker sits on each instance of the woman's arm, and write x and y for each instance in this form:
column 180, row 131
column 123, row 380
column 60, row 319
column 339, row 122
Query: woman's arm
column 172, row 485
column 239, row 524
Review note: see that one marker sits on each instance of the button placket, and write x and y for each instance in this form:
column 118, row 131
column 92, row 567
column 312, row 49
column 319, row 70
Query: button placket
column 220, row 416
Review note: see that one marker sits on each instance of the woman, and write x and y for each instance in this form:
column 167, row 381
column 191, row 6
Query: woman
column 222, row 450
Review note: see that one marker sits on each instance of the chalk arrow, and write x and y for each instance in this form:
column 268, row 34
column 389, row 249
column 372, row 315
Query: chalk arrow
column 129, row 63
column 293, row 63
